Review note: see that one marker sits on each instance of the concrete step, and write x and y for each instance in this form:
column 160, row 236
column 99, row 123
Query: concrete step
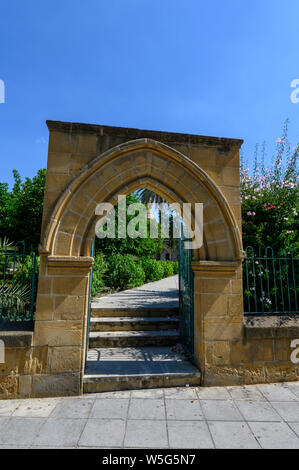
column 123, row 339
column 109, row 369
column 132, row 312
column 133, row 323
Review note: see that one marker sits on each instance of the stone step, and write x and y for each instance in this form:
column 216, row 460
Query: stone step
column 122, row 339
column 111, row 369
column 132, row 312
column 133, row 323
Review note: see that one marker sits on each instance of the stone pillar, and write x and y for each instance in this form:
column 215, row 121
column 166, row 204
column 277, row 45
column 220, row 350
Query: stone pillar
column 61, row 324
column 218, row 320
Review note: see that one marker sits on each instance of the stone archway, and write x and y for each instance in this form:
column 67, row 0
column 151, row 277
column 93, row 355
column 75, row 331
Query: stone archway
column 91, row 164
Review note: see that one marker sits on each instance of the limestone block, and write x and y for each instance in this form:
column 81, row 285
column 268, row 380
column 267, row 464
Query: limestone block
column 228, row 328
column 218, row 352
column 212, row 305
column 203, row 156
column 25, row 386
column 212, row 286
column 69, row 307
column 44, row 285
column 58, row 333
column 235, row 305
column 65, row 359
column 56, row 385
column 88, row 144
column 45, row 307
column 64, row 142
column 57, row 181
column 231, row 177
column 58, row 162
column 67, row 285
column 260, row 350
column 228, row 159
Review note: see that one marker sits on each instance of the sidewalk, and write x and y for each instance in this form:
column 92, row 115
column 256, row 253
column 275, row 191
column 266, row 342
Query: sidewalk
column 158, row 294
column 264, row 416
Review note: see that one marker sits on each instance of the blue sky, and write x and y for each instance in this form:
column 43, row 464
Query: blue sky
column 219, row 68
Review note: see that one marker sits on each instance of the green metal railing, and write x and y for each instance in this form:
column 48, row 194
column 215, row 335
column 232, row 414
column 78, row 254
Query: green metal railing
column 89, row 300
column 186, row 294
column 270, row 283
column 18, row 283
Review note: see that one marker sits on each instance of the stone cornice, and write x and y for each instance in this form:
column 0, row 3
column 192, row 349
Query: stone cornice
column 215, row 268
column 77, row 264
column 127, row 133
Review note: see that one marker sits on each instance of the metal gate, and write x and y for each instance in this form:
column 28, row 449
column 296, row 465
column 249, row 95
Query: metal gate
column 89, row 301
column 186, row 291
column 18, row 287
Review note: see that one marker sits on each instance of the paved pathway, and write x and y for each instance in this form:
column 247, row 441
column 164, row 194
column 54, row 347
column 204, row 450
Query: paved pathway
column 264, row 416
column 158, row 294
column 137, row 361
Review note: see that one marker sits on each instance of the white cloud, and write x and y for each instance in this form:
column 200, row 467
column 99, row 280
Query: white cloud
column 41, row 140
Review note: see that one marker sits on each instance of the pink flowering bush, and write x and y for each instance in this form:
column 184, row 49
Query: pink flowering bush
column 270, row 199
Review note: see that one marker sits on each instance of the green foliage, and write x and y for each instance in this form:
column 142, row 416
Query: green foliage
column 99, row 269
column 21, row 209
column 17, row 272
column 119, row 272
column 15, row 299
column 135, row 246
column 25, row 269
column 124, row 272
column 153, row 269
column 270, row 199
column 168, row 267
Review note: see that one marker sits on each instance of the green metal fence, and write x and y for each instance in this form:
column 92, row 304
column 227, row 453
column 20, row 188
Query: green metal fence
column 18, row 282
column 271, row 283
column 186, row 304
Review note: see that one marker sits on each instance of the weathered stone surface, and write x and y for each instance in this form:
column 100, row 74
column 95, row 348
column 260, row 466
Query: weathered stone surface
column 25, row 386
column 253, row 351
column 281, row 372
column 58, row 333
column 65, row 358
column 56, row 385
column 218, row 352
column 222, row 376
column 254, row 374
column 8, row 386
column 69, row 307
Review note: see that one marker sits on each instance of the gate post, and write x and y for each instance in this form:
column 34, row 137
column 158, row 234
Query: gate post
column 61, row 324
column 218, row 320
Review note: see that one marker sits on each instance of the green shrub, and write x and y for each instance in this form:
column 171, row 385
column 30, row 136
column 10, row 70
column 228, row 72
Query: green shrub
column 167, row 267
column 124, row 272
column 153, row 269
column 99, row 270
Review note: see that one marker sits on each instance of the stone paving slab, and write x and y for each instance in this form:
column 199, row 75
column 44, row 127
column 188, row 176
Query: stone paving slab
column 263, row 416
column 132, row 361
column 158, row 294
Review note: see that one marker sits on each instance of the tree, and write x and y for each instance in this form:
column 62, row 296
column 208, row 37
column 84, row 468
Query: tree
column 136, row 246
column 22, row 209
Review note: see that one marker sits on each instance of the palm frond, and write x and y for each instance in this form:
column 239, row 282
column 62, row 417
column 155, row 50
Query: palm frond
column 15, row 297
column 149, row 197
